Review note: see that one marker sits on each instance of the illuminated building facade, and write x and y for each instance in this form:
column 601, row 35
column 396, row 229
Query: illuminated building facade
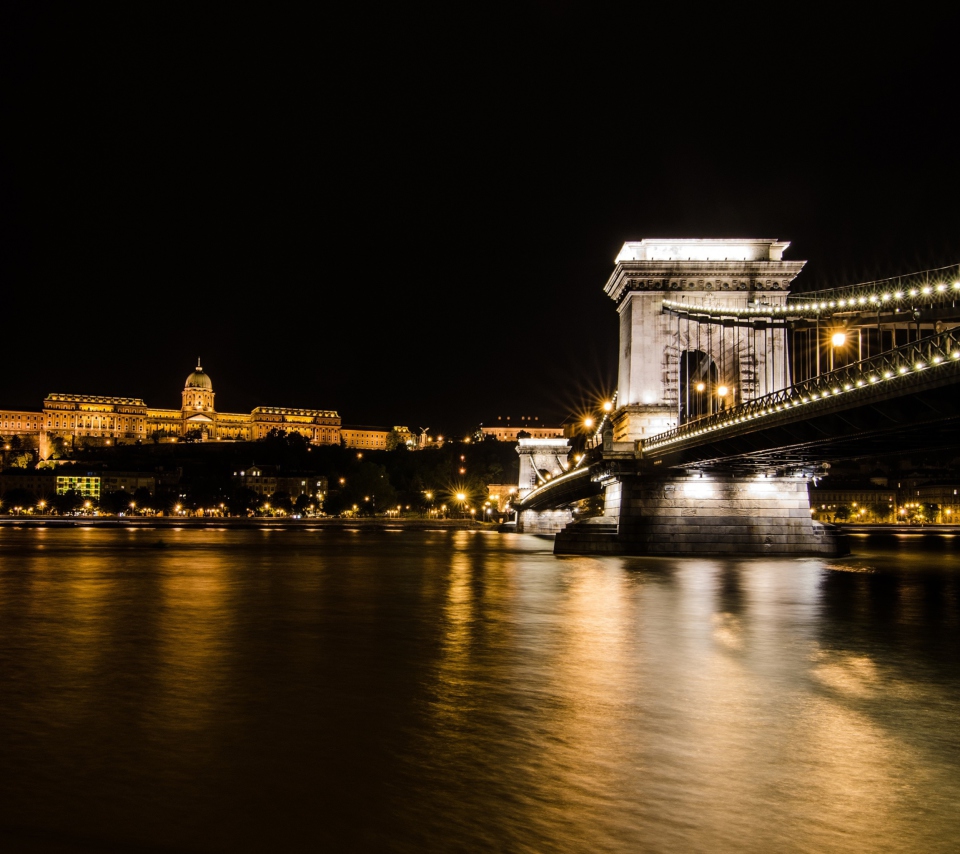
column 505, row 431
column 366, row 438
column 73, row 419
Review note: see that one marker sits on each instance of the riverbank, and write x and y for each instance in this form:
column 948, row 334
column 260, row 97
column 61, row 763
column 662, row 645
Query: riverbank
column 898, row 529
column 375, row 522
column 170, row 522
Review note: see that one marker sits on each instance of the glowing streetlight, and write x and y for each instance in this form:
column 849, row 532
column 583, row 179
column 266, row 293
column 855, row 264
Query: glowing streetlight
column 838, row 339
column 607, row 405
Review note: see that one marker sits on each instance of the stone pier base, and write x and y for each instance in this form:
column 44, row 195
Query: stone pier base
column 543, row 522
column 703, row 515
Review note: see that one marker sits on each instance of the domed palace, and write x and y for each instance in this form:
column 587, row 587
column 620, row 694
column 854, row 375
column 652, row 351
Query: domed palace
column 78, row 419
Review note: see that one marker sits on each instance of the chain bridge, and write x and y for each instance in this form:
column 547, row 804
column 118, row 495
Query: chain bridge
column 733, row 395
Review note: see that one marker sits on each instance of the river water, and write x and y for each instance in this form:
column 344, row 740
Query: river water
column 418, row 691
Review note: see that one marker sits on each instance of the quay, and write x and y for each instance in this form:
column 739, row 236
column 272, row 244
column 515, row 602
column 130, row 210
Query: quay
column 238, row 522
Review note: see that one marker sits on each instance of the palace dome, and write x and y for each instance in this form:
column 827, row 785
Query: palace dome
column 198, row 379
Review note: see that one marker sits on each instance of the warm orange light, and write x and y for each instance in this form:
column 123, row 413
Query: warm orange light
column 838, row 339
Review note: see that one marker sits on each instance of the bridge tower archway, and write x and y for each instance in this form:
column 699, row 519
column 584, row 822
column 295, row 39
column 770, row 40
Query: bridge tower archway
column 655, row 343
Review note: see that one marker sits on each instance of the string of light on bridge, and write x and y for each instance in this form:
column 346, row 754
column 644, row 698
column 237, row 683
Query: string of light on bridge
column 868, row 296
column 888, row 366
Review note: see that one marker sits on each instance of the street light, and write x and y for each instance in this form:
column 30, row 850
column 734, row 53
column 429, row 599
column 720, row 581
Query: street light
column 838, row 339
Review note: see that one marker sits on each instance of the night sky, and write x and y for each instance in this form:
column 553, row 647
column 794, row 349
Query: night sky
column 409, row 216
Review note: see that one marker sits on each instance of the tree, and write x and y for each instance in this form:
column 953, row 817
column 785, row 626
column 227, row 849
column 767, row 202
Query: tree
column 243, row 501
column 144, row 499
column 396, row 439
column 288, row 449
column 67, row 502
column 19, row 459
column 57, row 447
column 18, row 497
column 116, row 502
column 302, row 503
column 205, row 490
column 281, row 500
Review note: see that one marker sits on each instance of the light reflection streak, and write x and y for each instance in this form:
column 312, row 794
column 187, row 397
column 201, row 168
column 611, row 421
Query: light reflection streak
column 193, row 642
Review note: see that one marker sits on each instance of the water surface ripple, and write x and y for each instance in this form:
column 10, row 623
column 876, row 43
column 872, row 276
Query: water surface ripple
column 440, row 691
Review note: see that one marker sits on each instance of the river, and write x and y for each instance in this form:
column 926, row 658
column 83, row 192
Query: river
column 442, row 691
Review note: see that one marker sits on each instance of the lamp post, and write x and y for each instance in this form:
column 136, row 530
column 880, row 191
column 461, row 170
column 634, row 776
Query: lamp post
column 837, row 339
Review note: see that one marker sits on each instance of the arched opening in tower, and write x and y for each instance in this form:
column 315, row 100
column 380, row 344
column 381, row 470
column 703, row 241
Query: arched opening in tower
column 699, row 383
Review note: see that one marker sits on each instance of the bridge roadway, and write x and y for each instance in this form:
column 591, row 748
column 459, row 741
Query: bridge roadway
column 904, row 400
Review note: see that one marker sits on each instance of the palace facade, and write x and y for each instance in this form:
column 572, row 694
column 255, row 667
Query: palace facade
column 74, row 419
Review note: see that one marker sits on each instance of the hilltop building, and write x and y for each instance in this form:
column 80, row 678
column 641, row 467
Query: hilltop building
column 73, row 419
column 506, row 431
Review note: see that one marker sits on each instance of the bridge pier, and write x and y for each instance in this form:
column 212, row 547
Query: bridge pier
column 547, row 522
column 690, row 514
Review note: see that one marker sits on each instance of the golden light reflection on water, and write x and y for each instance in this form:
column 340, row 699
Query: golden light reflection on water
column 453, row 671
column 478, row 693
column 728, row 631
column 193, row 644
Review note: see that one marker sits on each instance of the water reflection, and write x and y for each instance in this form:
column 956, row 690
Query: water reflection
column 193, row 643
column 437, row 691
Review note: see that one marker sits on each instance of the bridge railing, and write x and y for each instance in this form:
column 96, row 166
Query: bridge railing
column 898, row 364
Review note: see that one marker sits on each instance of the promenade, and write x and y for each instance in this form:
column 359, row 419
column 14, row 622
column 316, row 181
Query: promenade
column 237, row 522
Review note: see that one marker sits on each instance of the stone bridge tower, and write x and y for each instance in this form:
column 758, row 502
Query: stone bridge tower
column 671, row 368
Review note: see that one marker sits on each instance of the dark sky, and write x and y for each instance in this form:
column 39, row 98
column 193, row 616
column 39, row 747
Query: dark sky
column 409, row 216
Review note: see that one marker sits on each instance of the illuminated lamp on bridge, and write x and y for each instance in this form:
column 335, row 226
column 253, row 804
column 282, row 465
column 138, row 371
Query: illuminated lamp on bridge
column 837, row 339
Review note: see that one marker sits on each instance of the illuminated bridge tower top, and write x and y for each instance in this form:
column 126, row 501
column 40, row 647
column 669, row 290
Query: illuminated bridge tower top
column 672, row 369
